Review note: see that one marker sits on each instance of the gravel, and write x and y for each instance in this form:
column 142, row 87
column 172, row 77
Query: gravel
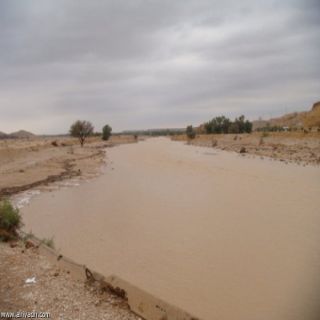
column 54, row 291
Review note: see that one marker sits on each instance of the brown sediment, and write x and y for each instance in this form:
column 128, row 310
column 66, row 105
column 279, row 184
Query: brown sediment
column 26, row 164
column 67, row 173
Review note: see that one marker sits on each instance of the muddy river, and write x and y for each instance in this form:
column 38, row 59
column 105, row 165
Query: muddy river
column 220, row 235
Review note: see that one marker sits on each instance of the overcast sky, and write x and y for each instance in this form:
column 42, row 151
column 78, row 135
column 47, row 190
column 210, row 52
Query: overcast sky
column 147, row 64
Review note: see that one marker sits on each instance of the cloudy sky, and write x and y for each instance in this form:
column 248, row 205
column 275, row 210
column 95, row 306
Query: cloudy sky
column 147, row 63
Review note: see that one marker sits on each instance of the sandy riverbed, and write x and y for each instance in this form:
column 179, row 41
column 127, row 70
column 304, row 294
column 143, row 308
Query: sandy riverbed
column 218, row 234
column 26, row 163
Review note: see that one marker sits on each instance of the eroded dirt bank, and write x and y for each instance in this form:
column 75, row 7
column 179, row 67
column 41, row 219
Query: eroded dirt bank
column 296, row 147
column 25, row 164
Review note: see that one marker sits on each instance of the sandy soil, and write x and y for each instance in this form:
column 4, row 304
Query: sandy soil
column 55, row 291
column 294, row 147
column 220, row 235
column 26, row 163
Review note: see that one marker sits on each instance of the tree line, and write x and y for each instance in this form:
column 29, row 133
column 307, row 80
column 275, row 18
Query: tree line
column 223, row 124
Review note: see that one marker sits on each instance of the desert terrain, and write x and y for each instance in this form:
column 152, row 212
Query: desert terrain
column 32, row 162
column 133, row 201
column 294, row 147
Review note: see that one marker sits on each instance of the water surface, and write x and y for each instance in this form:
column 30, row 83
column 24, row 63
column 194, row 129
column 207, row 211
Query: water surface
column 219, row 235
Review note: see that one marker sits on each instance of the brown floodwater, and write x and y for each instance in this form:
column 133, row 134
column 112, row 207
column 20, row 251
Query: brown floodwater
column 220, row 235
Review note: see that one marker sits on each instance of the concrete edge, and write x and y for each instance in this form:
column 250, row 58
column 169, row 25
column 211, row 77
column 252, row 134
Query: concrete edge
column 140, row 302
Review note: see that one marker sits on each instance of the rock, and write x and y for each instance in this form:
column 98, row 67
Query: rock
column 13, row 244
column 243, row 150
column 29, row 244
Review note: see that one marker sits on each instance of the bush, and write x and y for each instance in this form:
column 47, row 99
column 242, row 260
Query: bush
column 191, row 134
column 10, row 220
column 106, row 132
column 81, row 130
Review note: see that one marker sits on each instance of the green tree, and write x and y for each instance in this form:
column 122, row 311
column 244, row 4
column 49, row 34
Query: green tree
column 218, row 125
column 81, row 130
column 224, row 125
column 191, row 134
column 243, row 125
column 106, row 132
column 248, row 126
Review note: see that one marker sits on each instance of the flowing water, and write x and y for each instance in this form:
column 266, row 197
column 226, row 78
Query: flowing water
column 220, row 235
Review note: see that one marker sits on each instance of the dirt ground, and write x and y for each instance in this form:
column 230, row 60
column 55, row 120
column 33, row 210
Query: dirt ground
column 27, row 163
column 297, row 147
column 54, row 290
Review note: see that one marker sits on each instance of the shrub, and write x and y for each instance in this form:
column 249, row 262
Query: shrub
column 191, row 134
column 10, row 220
column 81, row 130
column 106, row 132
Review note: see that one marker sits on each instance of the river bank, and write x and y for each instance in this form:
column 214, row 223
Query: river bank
column 290, row 147
column 38, row 162
column 54, row 290
column 26, row 164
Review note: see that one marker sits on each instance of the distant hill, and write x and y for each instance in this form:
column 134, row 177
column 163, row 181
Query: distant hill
column 2, row 135
column 304, row 119
column 313, row 117
column 21, row 134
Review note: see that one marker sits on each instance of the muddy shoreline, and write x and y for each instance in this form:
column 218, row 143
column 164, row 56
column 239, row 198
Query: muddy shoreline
column 68, row 173
column 26, row 164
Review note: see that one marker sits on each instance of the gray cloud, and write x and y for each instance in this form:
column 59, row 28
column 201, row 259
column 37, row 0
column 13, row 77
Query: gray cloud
column 141, row 64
